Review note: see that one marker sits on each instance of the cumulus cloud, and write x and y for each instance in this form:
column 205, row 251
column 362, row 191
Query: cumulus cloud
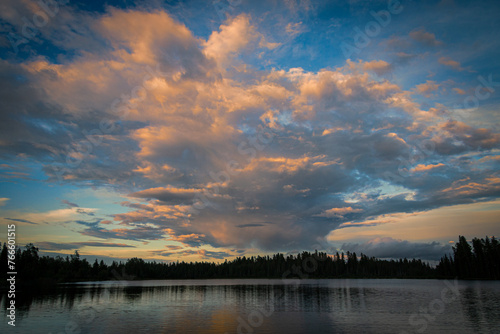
column 150, row 38
column 427, row 88
column 454, row 137
column 233, row 36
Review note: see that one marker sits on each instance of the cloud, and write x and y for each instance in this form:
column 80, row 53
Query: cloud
column 422, row 167
column 139, row 233
column 155, row 37
column 451, row 63
column 214, row 255
column 69, row 204
column 56, row 246
column 250, row 225
column 454, row 137
column 378, row 66
column 172, row 247
column 233, row 37
column 466, row 187
column 85, row 212
column 137, row 206
column 46, row 245
column 338, row 212
column 3, row 201
column 425, row 37
column 21, row 220
column 294, row 29
column 427, row 88
column 438, row 224
column 101, row 244
column 202, row 253
column 193, row 239
column 86, row 223
column 387, row 247
column 459, row 91
column 288, row 165
column 53, row 216
column 210, row 141
column 168, row 194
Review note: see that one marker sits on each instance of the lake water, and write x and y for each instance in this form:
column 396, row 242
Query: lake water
column 262, row 306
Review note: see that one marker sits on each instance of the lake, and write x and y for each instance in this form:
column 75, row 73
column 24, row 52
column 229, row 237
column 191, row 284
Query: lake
column 262, row 306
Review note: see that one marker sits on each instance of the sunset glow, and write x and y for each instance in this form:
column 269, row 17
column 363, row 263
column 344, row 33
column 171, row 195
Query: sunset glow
column 206, row 130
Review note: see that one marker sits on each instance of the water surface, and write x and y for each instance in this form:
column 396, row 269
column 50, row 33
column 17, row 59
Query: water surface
column 262, row 306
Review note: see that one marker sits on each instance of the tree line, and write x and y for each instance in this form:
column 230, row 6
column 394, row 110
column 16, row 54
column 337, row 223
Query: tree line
column 477, row 261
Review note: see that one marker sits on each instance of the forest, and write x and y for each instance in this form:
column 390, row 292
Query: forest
column 479, row 259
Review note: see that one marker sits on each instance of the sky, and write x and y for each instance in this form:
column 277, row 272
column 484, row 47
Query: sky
column 206, row 130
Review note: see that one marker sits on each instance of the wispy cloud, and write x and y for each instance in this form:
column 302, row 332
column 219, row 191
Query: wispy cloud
column 69, row 204
column 57, row 246
column 425, row 37
column 450, row 62
column 21, row 220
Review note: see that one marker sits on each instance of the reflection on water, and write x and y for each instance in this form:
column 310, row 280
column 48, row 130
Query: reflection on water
column 481, row 306
column 261, row 306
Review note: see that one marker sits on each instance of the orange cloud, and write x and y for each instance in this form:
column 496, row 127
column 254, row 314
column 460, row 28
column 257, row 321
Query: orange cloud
column 3, row 201
column 233, row 36
column 491, row 185
column 459, row 91
column 186, row 239
column 288, row 165
column 450, row 62
column 427, row 88
column 166, row 193
column 338, row 212
column 422, row 167
column 378, row 66
column 437, row 224
column 425, row 37
column 145, row 34
column 335, row 129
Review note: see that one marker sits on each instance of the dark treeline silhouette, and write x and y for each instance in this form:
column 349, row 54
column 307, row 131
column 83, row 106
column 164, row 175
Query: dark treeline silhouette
column 479, row 261
column 31, row 266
